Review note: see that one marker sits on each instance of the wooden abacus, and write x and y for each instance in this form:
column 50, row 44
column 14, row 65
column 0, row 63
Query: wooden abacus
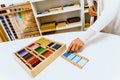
column 17, row 21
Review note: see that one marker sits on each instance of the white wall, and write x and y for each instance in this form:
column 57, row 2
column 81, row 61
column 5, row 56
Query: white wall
column 8, row 2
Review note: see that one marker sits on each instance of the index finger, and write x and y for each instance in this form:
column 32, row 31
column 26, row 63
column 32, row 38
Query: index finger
column 69, row 48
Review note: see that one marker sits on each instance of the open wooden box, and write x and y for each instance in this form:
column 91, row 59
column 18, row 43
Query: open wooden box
column 38, row 55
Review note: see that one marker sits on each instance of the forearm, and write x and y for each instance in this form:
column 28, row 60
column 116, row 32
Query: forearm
column 106, row 18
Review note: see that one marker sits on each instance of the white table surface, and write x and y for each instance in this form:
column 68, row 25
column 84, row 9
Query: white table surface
column 103, row 51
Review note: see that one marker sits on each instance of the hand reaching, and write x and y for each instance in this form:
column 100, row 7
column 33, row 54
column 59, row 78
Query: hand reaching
column 75, row 45
column 92, row 11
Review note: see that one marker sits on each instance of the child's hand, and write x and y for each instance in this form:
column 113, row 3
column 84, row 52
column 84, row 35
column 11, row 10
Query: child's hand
column 75, row 45
column 92, row 11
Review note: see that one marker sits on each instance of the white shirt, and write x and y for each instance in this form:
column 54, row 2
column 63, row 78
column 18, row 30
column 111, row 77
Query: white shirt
column 108, row 20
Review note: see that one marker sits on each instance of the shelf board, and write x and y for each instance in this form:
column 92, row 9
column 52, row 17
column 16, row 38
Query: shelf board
column 86, row 11
column 72, row 25
column 49, row 30
column 68, row 26
column 33, row 1
column 85, row 29
column 11, row 13
column 17, row 5
column 58, row 12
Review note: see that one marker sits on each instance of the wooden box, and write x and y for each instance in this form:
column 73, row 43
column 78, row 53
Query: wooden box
column 49, row 26
column 75, row 59
column 73, row 19
column 61, row 24
column 37, row 56
column 71, row 6
column 55, row 9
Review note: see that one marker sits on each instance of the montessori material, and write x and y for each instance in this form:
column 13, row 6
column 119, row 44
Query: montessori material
column 55, row 9
column 61, row 24
column 73, row 19
column 18, row 21
column 38, row 55
column 75, row 59
column 49, row 26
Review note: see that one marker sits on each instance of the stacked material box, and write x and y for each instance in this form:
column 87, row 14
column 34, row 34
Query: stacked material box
column 61, row 24
column 50, row 26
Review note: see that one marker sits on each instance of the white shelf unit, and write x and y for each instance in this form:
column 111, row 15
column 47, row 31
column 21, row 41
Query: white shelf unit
column 63, row 15
column 86, row 12
column 59, row 12
column 77, row 24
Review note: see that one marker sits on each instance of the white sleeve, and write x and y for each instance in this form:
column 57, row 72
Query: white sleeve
column 90, row 2
column 108, row 14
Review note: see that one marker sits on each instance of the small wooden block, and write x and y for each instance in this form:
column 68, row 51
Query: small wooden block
column 76, row 59
column 71, row 56
column 22, row 52
column 67, row 54
column 56, row 46
column 82, row 62
column 33, row 46
column 49, row 45
column 40, row 50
